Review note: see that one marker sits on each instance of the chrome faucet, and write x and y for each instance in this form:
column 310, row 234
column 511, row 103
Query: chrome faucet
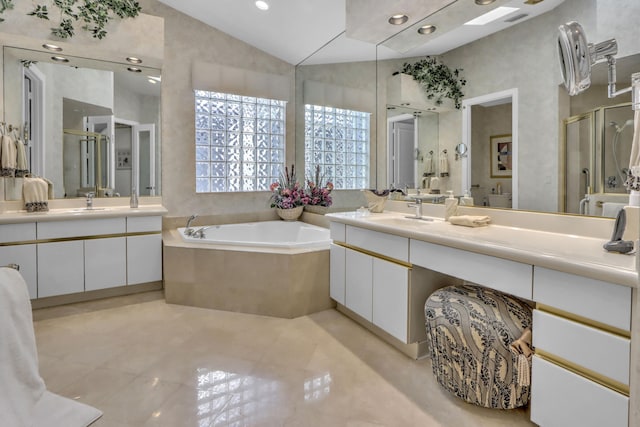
column 188, row 231
column 90, row 200
column 418, row 205
column 199, row 233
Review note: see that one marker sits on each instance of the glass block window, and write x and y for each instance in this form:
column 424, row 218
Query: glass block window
column 338, row 140
column 239, row 142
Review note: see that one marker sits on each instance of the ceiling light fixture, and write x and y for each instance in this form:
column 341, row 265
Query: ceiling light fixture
column 134, row 69
column 427, row 29
column 59, row 59
column 262, row 5
column 134, row 60
column 484, row 2
column 398, row 19
column 52, row 47
column 491, row 16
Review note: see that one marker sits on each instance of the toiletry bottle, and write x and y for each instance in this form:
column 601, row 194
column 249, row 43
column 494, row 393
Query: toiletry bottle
column 450, row 206
column 466, row 200
column 133, row 202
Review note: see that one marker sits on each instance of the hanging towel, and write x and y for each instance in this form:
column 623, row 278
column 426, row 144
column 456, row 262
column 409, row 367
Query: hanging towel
column 35, row 192
column 8, row 155
column 21, row 159
column 470, row 220
column 444, row 164
column 24, row 399
column 428, row 165
column 521, row 349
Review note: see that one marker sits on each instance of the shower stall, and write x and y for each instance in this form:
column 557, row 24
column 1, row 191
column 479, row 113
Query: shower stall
column 597, row 147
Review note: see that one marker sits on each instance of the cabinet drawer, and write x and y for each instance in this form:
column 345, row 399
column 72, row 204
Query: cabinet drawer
column 560, row 398
column 17, row 232
column 591, row 348
column 512, row 277
column 141, row 224
column 81, row 227
column 337, row 231
column 395, row 247
column 593, row 299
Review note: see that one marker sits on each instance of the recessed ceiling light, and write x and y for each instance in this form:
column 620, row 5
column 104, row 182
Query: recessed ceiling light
column 262, row 5
column 59, row 59
column 134, row 60
column 492, row 15
column 427, row 29
column 484, row 2
column 52, row 47
column 134, row 69
column 398, row 19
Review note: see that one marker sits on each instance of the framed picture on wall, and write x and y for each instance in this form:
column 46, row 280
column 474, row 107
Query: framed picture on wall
column 501, row 155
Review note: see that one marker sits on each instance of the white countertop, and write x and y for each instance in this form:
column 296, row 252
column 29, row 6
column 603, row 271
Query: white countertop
column 573, row 254
column 65, row 214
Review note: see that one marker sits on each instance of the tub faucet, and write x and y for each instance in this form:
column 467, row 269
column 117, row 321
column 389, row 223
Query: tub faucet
column 188, row 231
column 90, row 200
column 199, row 233
column 418, row 205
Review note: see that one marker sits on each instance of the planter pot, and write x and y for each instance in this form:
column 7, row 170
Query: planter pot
column 316, row 209
column 290, row 214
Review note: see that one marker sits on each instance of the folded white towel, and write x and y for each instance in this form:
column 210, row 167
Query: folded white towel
column 444, row 164
column 35, row 192
column 470, row 220
column 8, row 156
column 24, row 399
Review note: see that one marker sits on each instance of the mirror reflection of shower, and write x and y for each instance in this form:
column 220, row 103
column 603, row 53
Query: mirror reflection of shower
column 612, row 180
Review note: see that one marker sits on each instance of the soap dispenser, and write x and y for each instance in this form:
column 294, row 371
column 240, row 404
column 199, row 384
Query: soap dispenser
column 450, row 206
column 133, row 202
column 466, row 199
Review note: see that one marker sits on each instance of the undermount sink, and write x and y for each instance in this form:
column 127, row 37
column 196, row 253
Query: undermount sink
column 401, row 221
column 88, row 209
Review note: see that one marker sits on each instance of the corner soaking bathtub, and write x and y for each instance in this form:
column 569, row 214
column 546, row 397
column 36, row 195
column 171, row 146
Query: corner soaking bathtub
column 270, row 268
column 270, row 234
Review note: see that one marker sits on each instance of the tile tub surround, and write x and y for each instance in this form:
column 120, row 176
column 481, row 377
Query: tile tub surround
column 281, row 283
column 157, row 364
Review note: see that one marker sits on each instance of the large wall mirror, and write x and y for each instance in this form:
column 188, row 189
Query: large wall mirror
column 91, row 126
column 554, row 148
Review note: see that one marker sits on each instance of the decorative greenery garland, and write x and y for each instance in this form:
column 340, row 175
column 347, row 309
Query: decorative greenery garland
column 438, row 80
column 93, row 14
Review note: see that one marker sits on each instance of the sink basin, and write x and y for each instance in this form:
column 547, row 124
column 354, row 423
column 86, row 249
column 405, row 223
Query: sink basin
column 88, row 209
column 405, row 221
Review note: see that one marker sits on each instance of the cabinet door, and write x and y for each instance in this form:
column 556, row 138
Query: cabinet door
column 560, row 398
column 105, row 262
column 144, row 259
column 358, row 283
column 337, row 273
column 391, row 298
column 25, row 257
column 60, row 268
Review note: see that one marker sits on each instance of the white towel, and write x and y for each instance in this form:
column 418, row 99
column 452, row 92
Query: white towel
column 444, row 164
column 21, row 159
column 24, row 399
column 428, row 165
column 35, row 192
column 470, row 220
column 8, row 156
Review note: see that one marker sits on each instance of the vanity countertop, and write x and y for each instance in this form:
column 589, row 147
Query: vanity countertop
column 573, row 254
column 65, row 214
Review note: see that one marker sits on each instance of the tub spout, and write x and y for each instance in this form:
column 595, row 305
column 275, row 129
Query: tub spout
column 188, row 231
column 199, row 233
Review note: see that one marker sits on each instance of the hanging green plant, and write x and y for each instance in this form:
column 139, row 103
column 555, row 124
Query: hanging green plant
column 94, row 15
column 438, row 80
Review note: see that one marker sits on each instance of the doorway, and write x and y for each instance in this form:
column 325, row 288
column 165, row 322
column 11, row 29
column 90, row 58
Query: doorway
column 402, row 151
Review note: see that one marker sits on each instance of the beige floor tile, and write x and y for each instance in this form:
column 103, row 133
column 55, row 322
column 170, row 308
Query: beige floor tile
column 148, row 363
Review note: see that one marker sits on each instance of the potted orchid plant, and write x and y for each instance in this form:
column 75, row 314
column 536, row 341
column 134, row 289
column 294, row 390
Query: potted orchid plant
column 318, row 192
column 288, row 196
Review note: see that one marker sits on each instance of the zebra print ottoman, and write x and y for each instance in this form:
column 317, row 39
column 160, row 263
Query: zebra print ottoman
column 471, row 331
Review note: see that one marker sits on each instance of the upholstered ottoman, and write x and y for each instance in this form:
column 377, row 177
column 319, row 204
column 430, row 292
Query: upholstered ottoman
column 480, row 345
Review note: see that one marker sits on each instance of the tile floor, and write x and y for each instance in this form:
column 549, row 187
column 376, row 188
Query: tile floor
column 147, row 363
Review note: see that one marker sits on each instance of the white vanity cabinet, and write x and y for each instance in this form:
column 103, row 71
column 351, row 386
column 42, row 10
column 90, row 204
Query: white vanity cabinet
column 15, row 250
column 60, row 268
column 144, row 251
column 337, row 262
column 105, row 263
column 581, row 333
